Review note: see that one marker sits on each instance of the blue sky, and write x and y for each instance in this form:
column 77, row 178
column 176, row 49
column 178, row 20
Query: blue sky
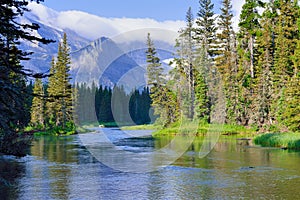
column 94, row 18
column 160, row 10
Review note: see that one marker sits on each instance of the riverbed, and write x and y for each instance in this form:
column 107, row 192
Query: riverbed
column 65, row 168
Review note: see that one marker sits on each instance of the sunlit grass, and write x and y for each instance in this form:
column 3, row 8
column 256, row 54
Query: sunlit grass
column 204, row 128
column 283, row 140
column 142, row 127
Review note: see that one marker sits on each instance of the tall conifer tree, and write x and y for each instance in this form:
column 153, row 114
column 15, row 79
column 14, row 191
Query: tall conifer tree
column 286, row 41
column 206, row 28
column 38, row 105
column 226, row 59
column 163, row 100
column 185, row 66
column 249, row 26
column 266, row 48
column 60, row 105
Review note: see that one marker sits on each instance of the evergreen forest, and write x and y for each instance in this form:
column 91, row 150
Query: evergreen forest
column 250, row 76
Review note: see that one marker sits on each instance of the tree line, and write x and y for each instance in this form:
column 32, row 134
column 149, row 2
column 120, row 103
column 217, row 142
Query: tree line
column 52, row 105
column 57, row 105
column 112, row 106
column 251, row 76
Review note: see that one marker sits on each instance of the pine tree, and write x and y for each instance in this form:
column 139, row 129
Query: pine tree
column 28, row 104
column 145, row 106
column 105, row 110
column 185, row 66
column 163, row 100
column 52, row 104
column 249, row 25
column 226, row 59
column 266, row 48
column 155, row 80
column 291, row 111
column 154, row 68
column 247, row 52
column 207, row 46
column 285, row 41
column 60, row 106
column 119, row 105
column 202, row 107
column 206, row 28
column 65, row 88
column 225, row 38
column 38, row 105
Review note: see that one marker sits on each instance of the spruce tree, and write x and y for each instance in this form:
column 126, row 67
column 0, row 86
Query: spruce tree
column 185, row 66
column 249, row 25
column 65, row 88
column 285, row 41
column 206, row 28
column 52, row 104
column 38, row 105
column 202, row 107
column 60, row 106
column 226, row 59
column 225, row 38
column 163, row 100
column 291, row 111
column 154, row 68
column 247, row 52
column 119, row 105
column 207, row 46
column 266, row 48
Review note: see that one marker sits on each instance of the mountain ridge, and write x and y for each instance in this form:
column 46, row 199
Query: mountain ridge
column 103, row 60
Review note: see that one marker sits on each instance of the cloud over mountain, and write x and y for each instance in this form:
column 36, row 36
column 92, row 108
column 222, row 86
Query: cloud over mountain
column 92, row 26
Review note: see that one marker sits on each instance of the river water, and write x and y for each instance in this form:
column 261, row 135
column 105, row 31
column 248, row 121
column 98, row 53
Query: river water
column 63, row 168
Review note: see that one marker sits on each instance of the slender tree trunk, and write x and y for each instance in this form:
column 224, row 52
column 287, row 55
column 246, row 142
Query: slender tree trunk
column 251, row 43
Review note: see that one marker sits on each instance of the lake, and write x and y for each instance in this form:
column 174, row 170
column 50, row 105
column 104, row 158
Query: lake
column 67, row 168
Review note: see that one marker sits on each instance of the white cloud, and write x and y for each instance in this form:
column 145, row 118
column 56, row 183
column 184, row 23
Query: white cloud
column 86, row 25
column 237, row 8
column 92, row 26
column 126, row 29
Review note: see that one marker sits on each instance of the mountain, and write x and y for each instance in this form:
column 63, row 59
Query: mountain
column 41, row 59
column 108, row 63
column 102, row 61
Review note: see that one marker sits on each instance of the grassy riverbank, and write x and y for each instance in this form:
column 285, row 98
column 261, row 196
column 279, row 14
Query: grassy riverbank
column 70, row 129
column 194, row 128
column 203, row 129
column 282, row 140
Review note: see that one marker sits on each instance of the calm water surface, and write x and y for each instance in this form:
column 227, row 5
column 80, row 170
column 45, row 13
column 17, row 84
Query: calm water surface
column 62, row 168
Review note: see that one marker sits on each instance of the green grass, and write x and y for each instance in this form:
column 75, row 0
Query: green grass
column 283, row 140
column 142, row 127
column 55, row 132
column 203, row 128
column 231, row 129
column 88, row 125
column 70, row 129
